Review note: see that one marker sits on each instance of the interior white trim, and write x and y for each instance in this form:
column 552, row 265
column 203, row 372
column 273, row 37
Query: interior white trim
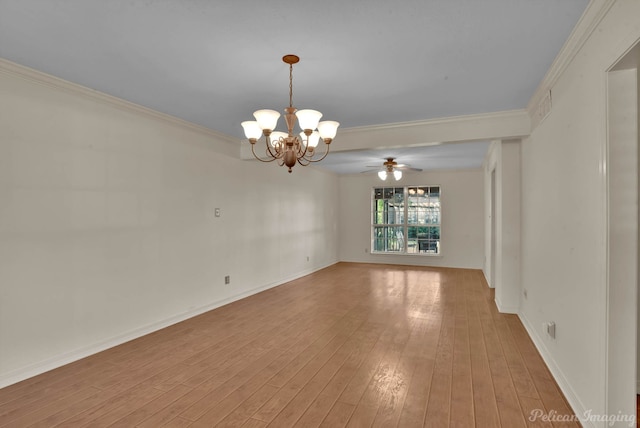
column 593, row 14
column 506, row 309
column 77, row 354
column 510, row 124
column 476, row 127
column 11, row 68
column 514, row 114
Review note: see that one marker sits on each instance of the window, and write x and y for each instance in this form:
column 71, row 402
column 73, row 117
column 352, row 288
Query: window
column 406, row 220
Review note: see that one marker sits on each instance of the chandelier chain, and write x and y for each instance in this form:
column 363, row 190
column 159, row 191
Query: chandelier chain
column 290, row 85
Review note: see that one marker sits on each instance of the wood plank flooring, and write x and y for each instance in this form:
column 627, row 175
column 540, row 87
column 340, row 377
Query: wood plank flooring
column 353, row 345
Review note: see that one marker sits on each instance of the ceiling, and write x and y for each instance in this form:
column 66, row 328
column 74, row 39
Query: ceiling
column 434, row 157
column 363, row 62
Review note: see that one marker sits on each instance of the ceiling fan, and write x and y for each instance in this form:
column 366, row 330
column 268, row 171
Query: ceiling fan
column 390, row 166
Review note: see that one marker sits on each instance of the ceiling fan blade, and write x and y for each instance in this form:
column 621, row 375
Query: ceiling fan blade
column 407, row 168
column 394, row 166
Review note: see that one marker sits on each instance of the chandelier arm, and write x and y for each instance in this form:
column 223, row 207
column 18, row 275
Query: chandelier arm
column 302, row 153
column 259, row 158
column 275, row 152
column 323, row 156
column 275, row 156
column 303, row 161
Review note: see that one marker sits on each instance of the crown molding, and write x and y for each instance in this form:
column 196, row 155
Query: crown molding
column 13, row 69
column 590, row 19
column 476, row 127
column 501, row 115
column 503, row 125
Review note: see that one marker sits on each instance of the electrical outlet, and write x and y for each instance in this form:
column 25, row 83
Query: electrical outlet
column 307, row 258
column 524, row 293
column 227, row 279
column 551, row 329
column 217, row 212
column 366, row 250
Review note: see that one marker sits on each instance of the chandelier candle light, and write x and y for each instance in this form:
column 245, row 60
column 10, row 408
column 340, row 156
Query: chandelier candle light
column 286, row 147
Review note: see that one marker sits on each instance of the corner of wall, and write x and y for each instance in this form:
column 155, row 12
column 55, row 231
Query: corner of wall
column 505, row 309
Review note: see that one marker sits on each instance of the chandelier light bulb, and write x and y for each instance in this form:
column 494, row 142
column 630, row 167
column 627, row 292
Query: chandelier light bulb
column 397, row 174
column 314, row 138
column 308, row 119
column 328, row 129
column 382, row 175
column 251, row 129
column 267, row 119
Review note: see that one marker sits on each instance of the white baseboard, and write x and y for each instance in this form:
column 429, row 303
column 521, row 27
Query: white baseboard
column 506, row 309
column 575, row 403
column 77, row 354
column 486, row 278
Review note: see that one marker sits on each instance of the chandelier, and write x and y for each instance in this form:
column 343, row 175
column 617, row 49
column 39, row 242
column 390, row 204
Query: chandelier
column 285, row 147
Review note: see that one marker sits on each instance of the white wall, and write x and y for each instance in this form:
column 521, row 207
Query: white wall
column 623, row 238
column 564, row 220
column 462, row 204
column 638, row 238
column 503, row 158
column 107, row 229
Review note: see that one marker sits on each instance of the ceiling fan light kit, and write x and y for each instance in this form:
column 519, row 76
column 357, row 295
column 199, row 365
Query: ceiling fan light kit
column 391, row 167
column 285, row 147
column 384, row 174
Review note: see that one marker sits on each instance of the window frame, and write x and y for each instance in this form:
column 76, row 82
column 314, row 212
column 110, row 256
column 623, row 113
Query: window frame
column 404, row 223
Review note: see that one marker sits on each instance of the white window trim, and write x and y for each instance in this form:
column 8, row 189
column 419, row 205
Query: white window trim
column 405, row 224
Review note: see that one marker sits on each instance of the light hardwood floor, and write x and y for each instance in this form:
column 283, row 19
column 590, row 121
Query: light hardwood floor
column 352, row 345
